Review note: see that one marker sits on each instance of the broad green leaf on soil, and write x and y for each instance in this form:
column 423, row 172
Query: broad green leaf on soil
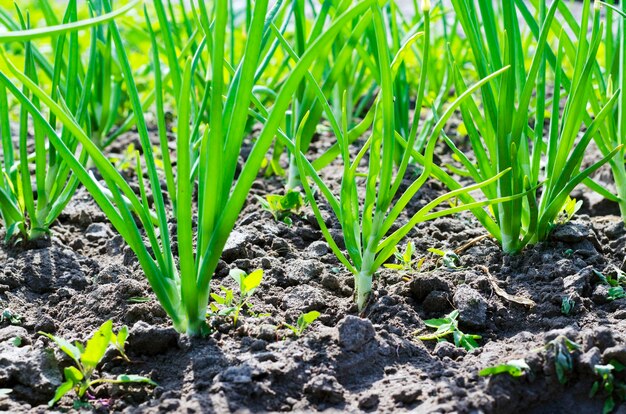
column 73, row 374
column 282, row 205
column 436, row 323
column 467, row 341
column 252, row 281
column 122, row 336
column 61, row 391
column 307, row 319
column 238, row 276
column 97, row 346
column 72, row 351
column 127, row 378
column 515, row 368
column 217, row 298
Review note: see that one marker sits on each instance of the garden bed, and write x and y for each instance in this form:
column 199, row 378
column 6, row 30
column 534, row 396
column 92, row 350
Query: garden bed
column 86, row 275
column 173, row 135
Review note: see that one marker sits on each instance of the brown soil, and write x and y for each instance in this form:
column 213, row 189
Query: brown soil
column 347, row 362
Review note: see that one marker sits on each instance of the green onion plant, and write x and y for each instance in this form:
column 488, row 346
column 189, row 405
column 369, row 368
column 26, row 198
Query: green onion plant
column 501, row 133
column 609, row 75
column 435, row 78
column 368, row 217
column 348, row 69
column 182, row 286
column 611, row 81
column 35, row 182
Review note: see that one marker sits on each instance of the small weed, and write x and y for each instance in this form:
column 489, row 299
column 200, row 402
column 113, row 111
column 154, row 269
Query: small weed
column 9, row 316
column 450, row 326
column 79, row 377
column 567, row 305
column 570, row 208
column 562, row 349
column 616, row 283
column 226, row 305
column 611, row 387
column 405, row 260
column 282, row 207
column 303, row 322
column 515, row 368
column 449, row 259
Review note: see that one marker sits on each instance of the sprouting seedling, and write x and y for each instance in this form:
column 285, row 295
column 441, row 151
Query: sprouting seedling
column 570, row 208
column 616, row 283
column 79, row 377
column 227, row 304
column 119, row 341
column 449, row 258
column 567, row 305
column 515, row 368
column 283, row 206
column 614, row 389
column 303, row 322
column 450, row 326
column 568, row 252
column 10, row 316
column 562, row 348
column 405, row 260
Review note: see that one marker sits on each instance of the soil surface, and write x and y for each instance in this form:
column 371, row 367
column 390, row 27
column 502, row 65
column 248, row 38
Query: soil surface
column 344, row 362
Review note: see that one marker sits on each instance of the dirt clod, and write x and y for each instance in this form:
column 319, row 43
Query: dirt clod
column 146, row 339
column 31, row 372
column 617, row 353
column 472, row 307
column 324, row 389
column 355, row 333
column 570, row 233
